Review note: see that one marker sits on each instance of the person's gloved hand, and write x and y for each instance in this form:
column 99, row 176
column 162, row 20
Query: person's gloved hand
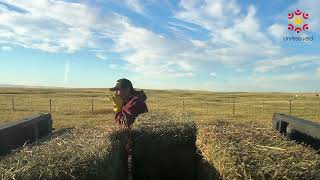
column 117, row 102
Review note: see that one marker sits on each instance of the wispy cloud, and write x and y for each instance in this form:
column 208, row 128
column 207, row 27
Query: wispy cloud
column 55, row 26
column 6, row 48
column 277, row 30
column 183, row 26
column 58, row 26
column 213, row 74
column 51, row 26
column 149, row 53
column 231, row 41
column 136, row 5
column 101, row 56
column 272, row 64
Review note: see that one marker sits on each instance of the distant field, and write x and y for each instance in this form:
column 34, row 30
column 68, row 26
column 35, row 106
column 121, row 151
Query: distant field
column 73, row 107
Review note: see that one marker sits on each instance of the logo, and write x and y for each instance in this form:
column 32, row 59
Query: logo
column 297, row 21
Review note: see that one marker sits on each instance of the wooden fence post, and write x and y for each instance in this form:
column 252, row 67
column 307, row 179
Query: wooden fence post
column 290, row 107
column 183, row 105
column 221, row 108
column 26, row 103
column 31, row 108
column 50, row 104
column 233, row 107
column 12, row 102
column 91, row 105
column 319, row 106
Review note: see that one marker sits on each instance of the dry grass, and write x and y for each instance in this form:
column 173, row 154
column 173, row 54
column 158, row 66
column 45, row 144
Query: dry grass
column 202, row 106
column 249, row 151
column 74, row 154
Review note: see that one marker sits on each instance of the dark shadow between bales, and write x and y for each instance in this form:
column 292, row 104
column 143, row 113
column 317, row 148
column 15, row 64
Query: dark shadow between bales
column 205, row 170
column 168, row 151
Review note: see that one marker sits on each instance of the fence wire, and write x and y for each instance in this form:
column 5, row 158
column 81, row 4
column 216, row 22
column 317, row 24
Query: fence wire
column 222, row 107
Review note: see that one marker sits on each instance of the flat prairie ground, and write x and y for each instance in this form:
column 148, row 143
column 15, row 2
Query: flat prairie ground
column 91, row 107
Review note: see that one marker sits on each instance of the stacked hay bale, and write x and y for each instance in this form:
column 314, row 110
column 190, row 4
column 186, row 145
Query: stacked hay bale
column 247, row 151
column 77, row 154
column 164, row 148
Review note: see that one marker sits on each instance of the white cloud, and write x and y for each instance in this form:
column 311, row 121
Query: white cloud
column 198, row 43
column 183, row 26
column 235, row 35
column 154, row 54
column 51, row 26
column 101, row 56
column 208, row 14
column 271, row 64
column 277, row 30
column 55, row 26
column 148, row 53
column 135, row 5
column 6, row 48
column 213, row 74
column 184, row 65
column 58, row 26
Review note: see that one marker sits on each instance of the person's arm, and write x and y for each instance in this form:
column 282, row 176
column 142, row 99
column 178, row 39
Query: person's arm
column 117, row 102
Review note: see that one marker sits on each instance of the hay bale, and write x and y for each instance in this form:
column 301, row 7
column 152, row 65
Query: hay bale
column 162, row 117
column 100, row 154
column 164, row 148
column 78, row 154
column 247, row 151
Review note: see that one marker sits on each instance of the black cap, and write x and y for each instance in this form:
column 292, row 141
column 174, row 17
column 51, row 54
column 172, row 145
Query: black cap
column 122, row 83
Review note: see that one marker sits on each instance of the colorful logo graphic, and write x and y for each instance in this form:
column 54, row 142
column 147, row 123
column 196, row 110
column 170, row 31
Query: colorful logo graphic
column 297, row 21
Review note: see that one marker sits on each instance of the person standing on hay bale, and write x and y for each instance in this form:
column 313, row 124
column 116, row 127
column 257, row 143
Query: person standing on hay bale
column 128, row 103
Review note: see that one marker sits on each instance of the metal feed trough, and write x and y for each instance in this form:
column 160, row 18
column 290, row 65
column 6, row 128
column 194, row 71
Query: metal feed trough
column 16, row 134
column 290, row 126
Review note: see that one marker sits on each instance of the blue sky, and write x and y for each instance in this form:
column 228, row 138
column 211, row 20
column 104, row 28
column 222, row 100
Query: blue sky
column 215, row 45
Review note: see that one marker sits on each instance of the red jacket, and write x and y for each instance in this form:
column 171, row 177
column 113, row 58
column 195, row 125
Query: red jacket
column 131, row 108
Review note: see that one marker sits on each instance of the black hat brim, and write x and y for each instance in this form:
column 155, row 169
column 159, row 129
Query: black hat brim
column 113, row 88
